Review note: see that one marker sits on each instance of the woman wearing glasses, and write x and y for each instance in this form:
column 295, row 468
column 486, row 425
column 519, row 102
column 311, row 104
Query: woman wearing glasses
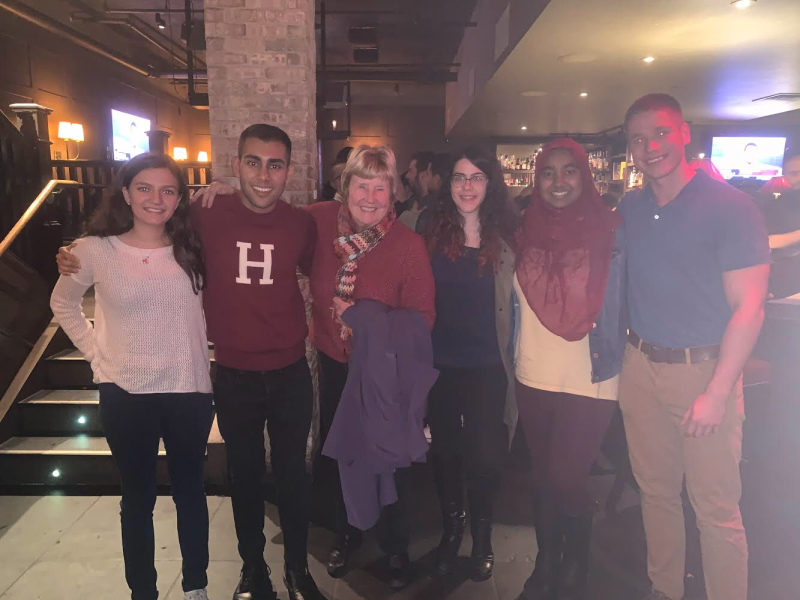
column 472, row 404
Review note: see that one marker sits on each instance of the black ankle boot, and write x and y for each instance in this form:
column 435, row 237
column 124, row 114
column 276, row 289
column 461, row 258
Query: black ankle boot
column 480, row 511
column 575, row 561
column 482, row 560
column 255, row 584
column 339, row 557
column 300, row 584
column 454, row 524
column 400, row 573
column 451, row 498
column 543, row 583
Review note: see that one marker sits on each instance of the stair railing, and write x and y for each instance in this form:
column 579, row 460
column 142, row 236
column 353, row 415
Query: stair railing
column 28, row 214
column 38, row 350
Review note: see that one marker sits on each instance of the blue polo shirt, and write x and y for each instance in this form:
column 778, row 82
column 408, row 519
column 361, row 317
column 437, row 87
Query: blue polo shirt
column 677, row 255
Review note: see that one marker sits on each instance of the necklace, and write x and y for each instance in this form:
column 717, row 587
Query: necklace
column 146, row 260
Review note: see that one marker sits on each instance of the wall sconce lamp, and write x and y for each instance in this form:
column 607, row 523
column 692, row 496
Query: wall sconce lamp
column 179, row 153
column 202, row 156
column 71, row 132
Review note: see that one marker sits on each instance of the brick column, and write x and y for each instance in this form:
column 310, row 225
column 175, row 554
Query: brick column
column 261, row 57
column 262, row 60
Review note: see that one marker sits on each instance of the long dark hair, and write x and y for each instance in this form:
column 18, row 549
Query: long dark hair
column 115, row 217
column 445, row 231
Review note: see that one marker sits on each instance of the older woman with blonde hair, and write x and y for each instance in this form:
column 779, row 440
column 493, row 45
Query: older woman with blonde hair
column 362, row 254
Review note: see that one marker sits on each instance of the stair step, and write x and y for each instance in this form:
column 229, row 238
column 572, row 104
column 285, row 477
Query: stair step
column 80, row 445
column 69, row 354
column 80, row 397
column 75, row 354
column 63, row 462
column 61, row 413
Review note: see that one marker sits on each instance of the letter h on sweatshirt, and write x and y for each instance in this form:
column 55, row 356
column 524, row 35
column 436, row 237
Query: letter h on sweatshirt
column 266, row 265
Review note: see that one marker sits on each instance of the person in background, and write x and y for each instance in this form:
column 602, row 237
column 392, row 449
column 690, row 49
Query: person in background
column 472, row 405
column 149, row 355
column 698, row 265
column 570, row 282
column 614, row 194
column 362, row 253
column 440, row 170
column 782, row 214
column 419, row 176
column 331, row 190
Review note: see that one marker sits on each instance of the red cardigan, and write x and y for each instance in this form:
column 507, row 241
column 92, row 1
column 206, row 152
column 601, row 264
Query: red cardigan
column 396, row 272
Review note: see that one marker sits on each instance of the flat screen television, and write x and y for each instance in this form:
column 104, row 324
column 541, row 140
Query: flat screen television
column 756, row 157
column 129, row 135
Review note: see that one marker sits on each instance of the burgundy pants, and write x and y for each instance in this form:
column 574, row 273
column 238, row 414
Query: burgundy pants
column 564, row 434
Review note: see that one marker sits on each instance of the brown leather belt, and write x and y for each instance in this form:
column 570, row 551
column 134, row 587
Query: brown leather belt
column 674, row 356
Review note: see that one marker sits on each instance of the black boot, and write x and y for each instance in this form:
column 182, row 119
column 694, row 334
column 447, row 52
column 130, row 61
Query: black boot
column 480, row 519
column 575, row 561
column 339, row 557
column 300, row 585
column 400, row 573
column 255, row 584
column 543, row 583
column 450, row 486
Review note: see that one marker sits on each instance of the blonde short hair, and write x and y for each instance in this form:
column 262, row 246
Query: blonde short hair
column 371, row 162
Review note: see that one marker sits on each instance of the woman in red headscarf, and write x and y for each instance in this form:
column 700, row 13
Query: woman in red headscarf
column 570, row 284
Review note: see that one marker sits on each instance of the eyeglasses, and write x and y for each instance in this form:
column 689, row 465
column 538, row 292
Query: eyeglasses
column 477, row 179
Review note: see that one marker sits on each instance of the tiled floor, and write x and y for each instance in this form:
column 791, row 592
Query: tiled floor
column 68, row 548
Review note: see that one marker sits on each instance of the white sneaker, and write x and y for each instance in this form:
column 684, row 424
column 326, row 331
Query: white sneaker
column 195, row 595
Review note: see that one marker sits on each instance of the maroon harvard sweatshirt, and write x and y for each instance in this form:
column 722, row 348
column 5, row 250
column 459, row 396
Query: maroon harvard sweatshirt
column 255, row 313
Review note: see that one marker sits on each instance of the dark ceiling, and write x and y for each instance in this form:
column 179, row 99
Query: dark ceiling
column 386, row 40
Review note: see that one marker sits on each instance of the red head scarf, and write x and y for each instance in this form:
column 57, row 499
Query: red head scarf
column 565, row 253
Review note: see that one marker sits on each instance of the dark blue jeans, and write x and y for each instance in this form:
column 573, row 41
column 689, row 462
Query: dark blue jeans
column 282, row 400
column 133, row 425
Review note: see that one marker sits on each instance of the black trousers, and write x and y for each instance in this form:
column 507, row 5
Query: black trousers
column 465, row 413
column 282, row 400
column 393, row 527
column 133, row 425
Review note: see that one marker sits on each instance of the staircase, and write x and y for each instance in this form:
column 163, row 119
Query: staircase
column 57, row 437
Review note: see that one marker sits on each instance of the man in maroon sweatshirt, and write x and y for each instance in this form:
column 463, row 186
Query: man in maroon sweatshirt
column 254, row 243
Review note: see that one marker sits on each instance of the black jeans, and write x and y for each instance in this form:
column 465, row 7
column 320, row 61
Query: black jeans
column 393, row 527
column 133, row 424
column 465, row 414
column 282, row 400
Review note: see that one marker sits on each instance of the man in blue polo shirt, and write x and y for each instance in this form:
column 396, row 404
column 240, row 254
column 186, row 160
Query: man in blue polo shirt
column 698, row 264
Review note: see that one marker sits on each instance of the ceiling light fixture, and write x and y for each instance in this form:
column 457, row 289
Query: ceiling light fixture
column 742, row 4
column 649, row 59
column 160, row 21
column 584, row 94
column 524, row 128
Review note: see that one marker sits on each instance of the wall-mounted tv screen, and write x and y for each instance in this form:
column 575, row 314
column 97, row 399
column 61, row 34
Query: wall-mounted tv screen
column 129, row 135
column 759, row 157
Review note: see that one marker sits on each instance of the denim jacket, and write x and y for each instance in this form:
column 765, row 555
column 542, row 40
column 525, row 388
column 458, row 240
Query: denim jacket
column 608, row 337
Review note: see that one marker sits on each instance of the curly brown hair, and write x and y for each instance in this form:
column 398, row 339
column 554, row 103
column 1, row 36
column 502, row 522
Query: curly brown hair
column 115, row 217
column 445, row 230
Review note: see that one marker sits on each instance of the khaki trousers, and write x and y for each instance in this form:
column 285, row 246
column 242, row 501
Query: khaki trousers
column 653, row 398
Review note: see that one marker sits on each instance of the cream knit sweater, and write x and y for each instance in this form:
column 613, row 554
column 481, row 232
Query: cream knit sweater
column 149, row 333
